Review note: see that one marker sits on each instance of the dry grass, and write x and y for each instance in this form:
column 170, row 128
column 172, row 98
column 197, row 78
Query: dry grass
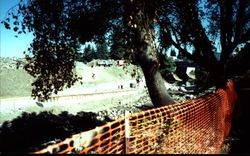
column 15, row 83
column 179, row 141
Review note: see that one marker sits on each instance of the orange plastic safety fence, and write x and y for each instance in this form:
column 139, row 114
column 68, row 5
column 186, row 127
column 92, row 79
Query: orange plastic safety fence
column 196, row 126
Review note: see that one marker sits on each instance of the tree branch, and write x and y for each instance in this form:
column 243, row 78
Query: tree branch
column 239, row 21
column 177, row 45
column 202, row 43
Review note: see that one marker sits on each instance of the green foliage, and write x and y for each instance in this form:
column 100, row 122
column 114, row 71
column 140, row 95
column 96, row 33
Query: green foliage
column 167, row 66
column 102, row 51
column 118, row 46
column 87, row 55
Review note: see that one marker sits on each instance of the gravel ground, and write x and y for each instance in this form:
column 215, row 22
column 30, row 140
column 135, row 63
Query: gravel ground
column 143, row 103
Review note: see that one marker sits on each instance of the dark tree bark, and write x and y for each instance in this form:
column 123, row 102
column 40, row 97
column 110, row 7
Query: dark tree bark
column 155, row 83
column 141, row 23
column 150, row 67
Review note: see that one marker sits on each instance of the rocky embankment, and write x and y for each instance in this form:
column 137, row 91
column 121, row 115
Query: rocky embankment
column 143, row 103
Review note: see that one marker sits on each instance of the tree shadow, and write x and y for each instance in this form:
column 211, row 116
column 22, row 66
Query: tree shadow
column 240, row 125
column 28, row 132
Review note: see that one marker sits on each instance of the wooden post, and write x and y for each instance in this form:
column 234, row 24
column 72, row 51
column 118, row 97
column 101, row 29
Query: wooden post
column 127, row 130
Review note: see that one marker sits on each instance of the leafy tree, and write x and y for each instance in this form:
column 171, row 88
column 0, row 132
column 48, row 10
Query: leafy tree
column 118, row 44
column 200, row 28
column 79, row 56
column 102, row 51
column 194, row 27
column 88, row 54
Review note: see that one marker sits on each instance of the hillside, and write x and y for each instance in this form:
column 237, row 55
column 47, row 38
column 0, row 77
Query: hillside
column 17, row 82
column 14, row 82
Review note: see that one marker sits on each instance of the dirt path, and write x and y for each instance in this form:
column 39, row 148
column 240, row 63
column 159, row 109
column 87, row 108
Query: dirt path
column 89, row 99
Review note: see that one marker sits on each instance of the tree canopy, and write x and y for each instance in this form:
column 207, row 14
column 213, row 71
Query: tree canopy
column 195, row 28
column 102, row 51
column 207, row 27
column 118, row 44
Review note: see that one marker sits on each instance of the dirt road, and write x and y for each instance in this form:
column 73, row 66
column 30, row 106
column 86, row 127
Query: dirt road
column 90, row 99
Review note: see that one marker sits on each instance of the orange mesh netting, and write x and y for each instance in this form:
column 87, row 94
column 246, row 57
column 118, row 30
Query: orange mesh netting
column 195, row 126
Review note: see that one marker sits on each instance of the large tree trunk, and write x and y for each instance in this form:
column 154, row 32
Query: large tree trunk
column 140, row 20
column 156, row 87
column 146, row 57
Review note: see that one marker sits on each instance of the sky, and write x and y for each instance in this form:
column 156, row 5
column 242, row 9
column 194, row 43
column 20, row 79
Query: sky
column 10, row 45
